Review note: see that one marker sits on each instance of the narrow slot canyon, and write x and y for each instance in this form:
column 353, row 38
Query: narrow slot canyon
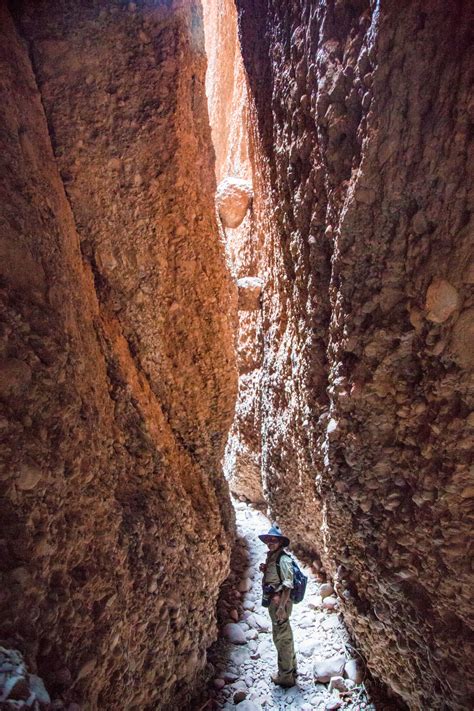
column 236, row 292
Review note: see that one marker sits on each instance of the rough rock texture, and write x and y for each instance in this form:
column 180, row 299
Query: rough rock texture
column 360, row 114
column 226, row 89
column 117, row 376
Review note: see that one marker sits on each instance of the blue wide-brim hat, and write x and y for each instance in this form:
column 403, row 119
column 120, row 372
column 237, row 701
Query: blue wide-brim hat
column 274, row 532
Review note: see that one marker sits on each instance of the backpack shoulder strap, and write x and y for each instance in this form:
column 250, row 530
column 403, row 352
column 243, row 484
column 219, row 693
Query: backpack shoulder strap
column 282, row 553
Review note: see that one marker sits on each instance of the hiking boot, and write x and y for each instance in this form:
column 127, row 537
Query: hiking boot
column 285, row 681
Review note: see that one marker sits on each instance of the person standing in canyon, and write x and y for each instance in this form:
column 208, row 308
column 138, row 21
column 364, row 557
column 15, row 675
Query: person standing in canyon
column 277, row 584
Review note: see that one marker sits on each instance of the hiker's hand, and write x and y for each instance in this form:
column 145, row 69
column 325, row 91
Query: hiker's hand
column 281, row 615
column 263, row 567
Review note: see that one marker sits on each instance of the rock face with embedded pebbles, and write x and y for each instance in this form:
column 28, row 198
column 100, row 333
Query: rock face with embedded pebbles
column 117, row 374
column 363, row 206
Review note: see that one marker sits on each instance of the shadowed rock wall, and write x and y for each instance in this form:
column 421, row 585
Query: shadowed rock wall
column 117, row 374
column 362, row 189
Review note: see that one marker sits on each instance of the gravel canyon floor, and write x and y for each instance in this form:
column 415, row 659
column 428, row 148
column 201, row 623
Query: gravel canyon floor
column 244, row 657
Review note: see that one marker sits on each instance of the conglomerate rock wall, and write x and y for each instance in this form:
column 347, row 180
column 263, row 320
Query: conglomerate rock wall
column 362, row 194
column 117, row 372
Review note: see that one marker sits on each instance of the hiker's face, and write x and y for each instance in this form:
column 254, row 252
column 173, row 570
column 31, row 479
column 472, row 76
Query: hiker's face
column 273, row 543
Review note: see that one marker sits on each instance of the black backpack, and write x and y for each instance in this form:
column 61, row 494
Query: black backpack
column 300, row 580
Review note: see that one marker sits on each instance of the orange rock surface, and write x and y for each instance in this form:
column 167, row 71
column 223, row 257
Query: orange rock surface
column 117, row 372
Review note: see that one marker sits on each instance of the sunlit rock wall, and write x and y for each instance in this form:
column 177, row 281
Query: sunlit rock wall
column 229, row 115
column 117, row 374
column 361, row 154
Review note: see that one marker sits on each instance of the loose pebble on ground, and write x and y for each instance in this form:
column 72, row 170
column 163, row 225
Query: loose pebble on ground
column 244, row 658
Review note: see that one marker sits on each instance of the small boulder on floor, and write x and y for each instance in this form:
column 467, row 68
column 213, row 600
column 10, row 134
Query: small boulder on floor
column 259, row 622
column 333, row 704
column 307, row 647
column 234, row 633
column 326, row 590
column 330, row 603
column 249, row 706
column 239, row 654
column 330, row 623
column 354, row 670
column 339, row 683
column 324, row 669
column 229, row 677
column 239, row 696
column 245, row 585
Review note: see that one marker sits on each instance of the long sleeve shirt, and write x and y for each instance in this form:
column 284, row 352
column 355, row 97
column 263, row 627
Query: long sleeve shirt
column 271, row 576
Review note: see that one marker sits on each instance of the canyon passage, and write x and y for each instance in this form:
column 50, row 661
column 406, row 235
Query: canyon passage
column 236, row 282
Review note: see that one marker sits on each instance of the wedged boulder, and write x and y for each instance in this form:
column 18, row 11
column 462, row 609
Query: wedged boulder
column 233, row 199
column 250, row 290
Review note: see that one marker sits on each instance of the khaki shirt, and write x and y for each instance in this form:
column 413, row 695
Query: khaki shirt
column 271, row 576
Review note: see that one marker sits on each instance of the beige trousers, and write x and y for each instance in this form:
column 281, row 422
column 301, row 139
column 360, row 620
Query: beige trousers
column 283, row 640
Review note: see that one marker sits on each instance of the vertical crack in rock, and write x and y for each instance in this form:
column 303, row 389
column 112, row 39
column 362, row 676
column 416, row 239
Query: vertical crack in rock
column 117, row 374
column 226, row 88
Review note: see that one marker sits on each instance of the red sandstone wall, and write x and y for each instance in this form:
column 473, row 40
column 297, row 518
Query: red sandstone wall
column 362, row 192
column 117, row 375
